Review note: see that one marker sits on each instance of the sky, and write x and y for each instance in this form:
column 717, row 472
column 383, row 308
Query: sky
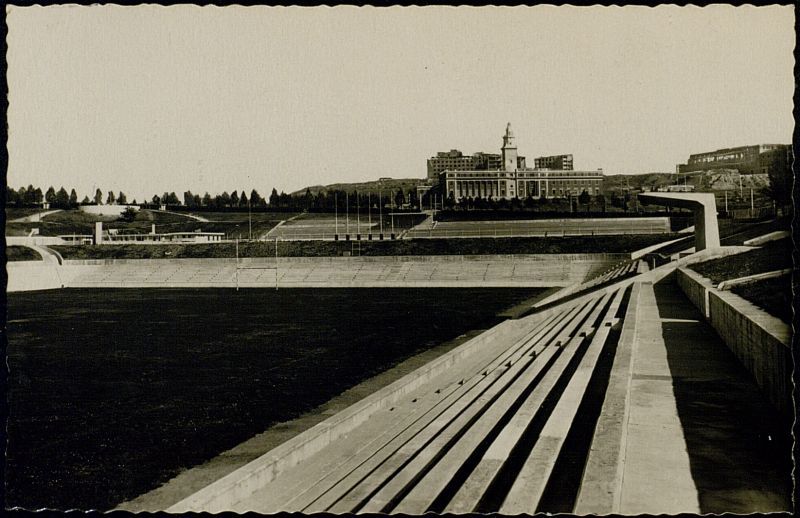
column 151, row 99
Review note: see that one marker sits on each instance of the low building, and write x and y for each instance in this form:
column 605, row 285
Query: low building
column 757, row 159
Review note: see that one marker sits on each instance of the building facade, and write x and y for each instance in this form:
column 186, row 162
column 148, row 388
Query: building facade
column 514, row 180
column 557, row 162
column 758, row 159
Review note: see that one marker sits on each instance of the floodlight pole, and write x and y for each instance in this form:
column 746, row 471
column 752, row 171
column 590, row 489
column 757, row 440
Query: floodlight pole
column 237, row 264
column 276, row 263
column 380, row 209
column 347, row 212
column 369, row 212
column 336, row 215
column 249, row 220
column 358, row 214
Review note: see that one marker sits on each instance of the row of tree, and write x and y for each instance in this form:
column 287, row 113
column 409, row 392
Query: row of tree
column 323, row 201
column 59, row 199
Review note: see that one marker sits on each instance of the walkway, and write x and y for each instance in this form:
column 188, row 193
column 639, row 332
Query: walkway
column 34, row 218
column 683, row 427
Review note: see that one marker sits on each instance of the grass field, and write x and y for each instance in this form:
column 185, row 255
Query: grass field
column 233, row 224
column 113, row 392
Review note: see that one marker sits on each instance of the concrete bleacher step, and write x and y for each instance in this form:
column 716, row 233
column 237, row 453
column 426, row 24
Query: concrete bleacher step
column 529, row 486
column 335, row 479
column 438, row 460
column 392, row 474
column 479, row 480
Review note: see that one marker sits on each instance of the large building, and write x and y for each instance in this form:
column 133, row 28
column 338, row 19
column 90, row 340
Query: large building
column 558, row 162
column 512, row 179
column 455, row 160
column 758, row 159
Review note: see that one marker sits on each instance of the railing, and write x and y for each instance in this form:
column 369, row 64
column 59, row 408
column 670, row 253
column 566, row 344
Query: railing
column 527, row 232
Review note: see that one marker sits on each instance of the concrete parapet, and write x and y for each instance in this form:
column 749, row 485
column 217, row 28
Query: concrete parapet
column 33, row 240
column 696, row 288
column 772, row 236
column 32, row 276
column 704, row 207
column 760, row 341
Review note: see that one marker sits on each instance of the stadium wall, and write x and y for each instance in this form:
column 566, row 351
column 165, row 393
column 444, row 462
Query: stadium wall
column 759, row 341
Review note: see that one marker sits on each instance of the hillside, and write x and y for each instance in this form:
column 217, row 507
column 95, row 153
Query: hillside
column 374, row 186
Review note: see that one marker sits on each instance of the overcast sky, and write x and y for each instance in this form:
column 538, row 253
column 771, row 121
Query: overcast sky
column 151, row 99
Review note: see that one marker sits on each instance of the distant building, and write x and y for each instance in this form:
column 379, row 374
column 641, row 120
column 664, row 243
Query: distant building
column 512, row 179
column 757, row 159
column 557, row 162
column 455, row 160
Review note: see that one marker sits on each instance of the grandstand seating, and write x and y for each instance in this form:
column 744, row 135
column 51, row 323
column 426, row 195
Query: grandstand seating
column 509, row 271
column 541, row 227
column 445, row 444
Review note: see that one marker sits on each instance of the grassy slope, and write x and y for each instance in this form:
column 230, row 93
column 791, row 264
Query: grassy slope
column 22, row 253
column 773, row 295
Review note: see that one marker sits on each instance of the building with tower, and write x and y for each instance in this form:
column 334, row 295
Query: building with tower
column 512, row 179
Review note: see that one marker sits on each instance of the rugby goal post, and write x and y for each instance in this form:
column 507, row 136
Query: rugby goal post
column 260, row 267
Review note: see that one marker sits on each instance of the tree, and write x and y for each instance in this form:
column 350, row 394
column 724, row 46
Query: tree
column 37, row 195
column 399, row 198
column 584, row 199
column 308, row 199
column 255, row 198
column 62, row 198
column 86, row 201
column 98, row 197
column 156, row 200
column 602, row 201
column 243, row 201
column 12, row 197
column 128, row 215
column 21, row 196
column 122, row 199
column 274, row 198
column 171, row 199
column 234, row 199
column 188, row 199
column 111, row 199
column 50, row 195
column 73, row 198
column 206, row 200
column 224, row 199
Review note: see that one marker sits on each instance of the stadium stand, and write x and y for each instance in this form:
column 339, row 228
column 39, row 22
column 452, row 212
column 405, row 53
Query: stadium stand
column 541, row 227
column 403, row 457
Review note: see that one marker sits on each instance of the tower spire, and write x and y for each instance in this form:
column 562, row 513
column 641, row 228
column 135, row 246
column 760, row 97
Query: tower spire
column 509, row 150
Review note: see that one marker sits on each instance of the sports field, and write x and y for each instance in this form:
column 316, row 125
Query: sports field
column 113, row 392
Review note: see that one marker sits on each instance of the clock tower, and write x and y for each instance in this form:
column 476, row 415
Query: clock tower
column 509, row 150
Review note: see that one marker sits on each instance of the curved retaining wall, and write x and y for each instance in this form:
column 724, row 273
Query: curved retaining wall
column 760, row 341
column 33, row 276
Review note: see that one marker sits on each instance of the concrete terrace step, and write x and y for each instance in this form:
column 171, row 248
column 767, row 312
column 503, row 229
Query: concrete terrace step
column 404, row 457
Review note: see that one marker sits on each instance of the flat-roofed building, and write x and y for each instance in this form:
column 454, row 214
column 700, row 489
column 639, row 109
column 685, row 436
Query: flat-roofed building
column 513, row 179
column 756, row 159
column 558, row 162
